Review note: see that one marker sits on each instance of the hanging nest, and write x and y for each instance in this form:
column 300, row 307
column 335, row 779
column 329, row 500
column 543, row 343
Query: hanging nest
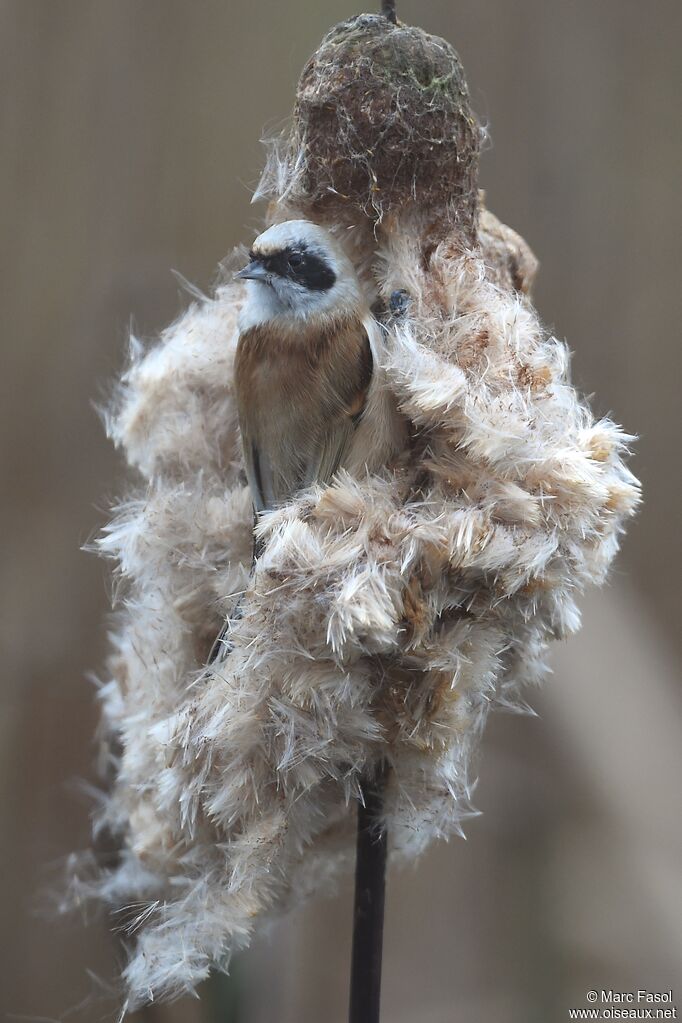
column 386, row 615
column 382, row 119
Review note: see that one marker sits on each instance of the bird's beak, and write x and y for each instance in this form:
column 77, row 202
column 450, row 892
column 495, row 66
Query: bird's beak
column 253, row 271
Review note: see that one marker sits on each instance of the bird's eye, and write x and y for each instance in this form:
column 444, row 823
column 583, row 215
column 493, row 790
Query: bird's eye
column 295, row 260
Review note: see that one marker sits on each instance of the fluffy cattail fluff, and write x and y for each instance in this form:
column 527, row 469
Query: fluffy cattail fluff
column 386, row 615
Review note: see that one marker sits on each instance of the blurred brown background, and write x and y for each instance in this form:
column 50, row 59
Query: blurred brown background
column 129, row 147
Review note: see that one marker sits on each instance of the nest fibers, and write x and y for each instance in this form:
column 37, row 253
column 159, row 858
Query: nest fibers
column 385, row 616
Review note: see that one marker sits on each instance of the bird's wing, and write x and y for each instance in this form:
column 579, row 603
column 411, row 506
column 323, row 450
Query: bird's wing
column 259, row 387
column 346, row 380
column 258, row 473
column 298, row 414
column 334, row 445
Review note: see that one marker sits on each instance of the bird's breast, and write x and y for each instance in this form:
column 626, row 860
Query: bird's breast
column 300, row 394
column 293, row 359
column 270, row 366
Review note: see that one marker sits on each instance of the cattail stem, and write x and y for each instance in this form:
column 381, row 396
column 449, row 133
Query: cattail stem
column 388, row 10
column 368, row 915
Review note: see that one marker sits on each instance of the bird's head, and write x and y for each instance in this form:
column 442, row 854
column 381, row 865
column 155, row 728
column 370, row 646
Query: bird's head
column 296, row 270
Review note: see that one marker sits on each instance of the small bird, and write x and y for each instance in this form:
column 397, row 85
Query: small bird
column 309, row 394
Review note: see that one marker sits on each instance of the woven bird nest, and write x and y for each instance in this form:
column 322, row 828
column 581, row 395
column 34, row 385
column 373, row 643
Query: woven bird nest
column 382, row 120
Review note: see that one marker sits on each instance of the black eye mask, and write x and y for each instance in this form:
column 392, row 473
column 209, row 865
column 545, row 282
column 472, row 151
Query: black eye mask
column 303, row 267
